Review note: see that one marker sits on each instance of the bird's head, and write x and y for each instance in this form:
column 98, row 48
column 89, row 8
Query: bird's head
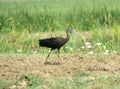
column 69, row 30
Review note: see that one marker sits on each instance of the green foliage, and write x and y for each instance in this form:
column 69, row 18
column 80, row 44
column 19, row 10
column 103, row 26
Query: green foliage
column 34, row 82
column 21, row 24
column 81, row 74
column 4, row 84
column 108, row 37
column 80, row 80
column 38, row 15
column 100, row 40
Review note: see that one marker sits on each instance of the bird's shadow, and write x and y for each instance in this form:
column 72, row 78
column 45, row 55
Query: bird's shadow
column 52, row 63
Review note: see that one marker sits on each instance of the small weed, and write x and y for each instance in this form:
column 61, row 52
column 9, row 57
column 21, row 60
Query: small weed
column 4, row 84
column 34, row 82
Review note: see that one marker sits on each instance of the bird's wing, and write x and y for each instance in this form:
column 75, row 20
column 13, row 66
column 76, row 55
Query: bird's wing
column 49, row 42
column 56, row 42
column 59, row 41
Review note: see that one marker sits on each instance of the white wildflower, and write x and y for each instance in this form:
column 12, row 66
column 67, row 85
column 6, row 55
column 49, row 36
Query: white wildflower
column 66, row 47
column 49, row 50
column 37, row 34
column 104, row 47
column 90, row 52
column 89, row 46
column 87, row 43
column 35, row 52
column 99, row 43
column 71, row 48
column 19, row 50
column 106, row 52
column 82, row 47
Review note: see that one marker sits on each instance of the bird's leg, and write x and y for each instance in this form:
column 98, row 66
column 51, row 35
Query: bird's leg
column 48, row 56
column 58, row 53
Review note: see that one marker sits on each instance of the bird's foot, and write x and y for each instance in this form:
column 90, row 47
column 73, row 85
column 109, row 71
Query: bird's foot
column 45, row 63
column 56, row 63
column 61, row 61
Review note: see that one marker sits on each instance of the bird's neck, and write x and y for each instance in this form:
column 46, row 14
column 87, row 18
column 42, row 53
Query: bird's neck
column 68, row 36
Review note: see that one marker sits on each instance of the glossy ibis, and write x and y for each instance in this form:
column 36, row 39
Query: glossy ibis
column 55, row 42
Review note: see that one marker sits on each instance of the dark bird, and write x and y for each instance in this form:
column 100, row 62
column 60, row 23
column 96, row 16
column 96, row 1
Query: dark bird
column 55, row 42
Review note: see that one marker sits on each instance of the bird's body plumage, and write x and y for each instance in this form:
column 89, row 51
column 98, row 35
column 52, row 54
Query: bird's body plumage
column 53, row 43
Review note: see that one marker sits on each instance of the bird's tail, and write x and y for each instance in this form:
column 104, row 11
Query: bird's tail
column 41, row 43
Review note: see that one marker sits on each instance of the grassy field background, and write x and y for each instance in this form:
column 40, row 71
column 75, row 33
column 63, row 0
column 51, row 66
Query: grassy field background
column 22, row 24
column 96, row 25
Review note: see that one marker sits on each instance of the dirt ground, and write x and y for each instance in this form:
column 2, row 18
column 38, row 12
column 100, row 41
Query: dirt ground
column 13, row 66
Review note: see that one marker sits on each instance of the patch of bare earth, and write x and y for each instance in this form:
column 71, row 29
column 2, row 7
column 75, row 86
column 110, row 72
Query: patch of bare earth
column 15, row 66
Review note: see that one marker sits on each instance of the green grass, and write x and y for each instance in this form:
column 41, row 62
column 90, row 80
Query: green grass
column 25, row 42
column 22, row 24
column 80, row 80
column 5, row 84
column 34, row 82
column 37, row 15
